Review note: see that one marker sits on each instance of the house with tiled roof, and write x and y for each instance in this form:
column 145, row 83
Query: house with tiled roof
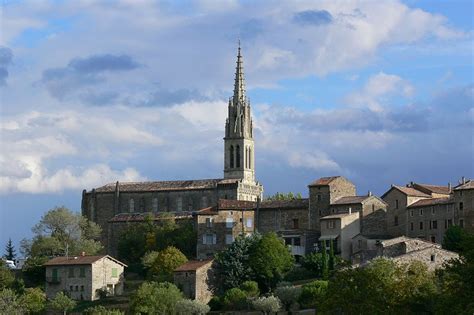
column 463, row 198
column 192, row 278
column 84, row 277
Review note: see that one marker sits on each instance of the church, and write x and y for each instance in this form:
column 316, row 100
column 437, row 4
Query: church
column 182, row 197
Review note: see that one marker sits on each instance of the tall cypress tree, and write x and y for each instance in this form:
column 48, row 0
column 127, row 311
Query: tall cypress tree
column 325, row 270
column 10, row 250
column 331, row 255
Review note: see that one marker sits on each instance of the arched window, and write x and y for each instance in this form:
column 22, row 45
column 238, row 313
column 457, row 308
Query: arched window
column 250, row 157
column 237, row 154
column 131, row 205
column 231, row 150
column 246, row 157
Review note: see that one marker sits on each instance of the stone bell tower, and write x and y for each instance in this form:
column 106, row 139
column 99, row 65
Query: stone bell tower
column 239, row 161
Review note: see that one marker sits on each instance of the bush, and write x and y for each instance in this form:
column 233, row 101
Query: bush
column 267, row 305
column 6, row 276
column 250, row 288
column 9, row 303
column 235, row 299
column 34, row 300
column 62, row 303
column 299, row 273
column 216, row 303
column 185, row 307
column 101, row 310
column 155, row 298
column 313, row 294
column 288, row 294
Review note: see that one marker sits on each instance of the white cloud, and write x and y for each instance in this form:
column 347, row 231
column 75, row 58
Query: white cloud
column 317, row 161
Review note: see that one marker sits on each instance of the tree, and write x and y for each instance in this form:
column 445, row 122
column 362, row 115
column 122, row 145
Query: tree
column 283, row 196
column 63, row 303
column 325, row 265
column 250, row 288
column 6, row 277
column 270, row 259
column 232, row 264
column 155, row 298
column 267, row 305
column 10, row 250
column 313, row 294
column 101, row 310
column 453, row 237
column 34, row 300
column 235, row 299
column 191, row 307
column 288, row 294
column 331, row 262
column 161, row 264
column 9, row 303
column 314, row 262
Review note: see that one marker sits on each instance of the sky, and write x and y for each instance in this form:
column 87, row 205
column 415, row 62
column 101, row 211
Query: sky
column 92, row 92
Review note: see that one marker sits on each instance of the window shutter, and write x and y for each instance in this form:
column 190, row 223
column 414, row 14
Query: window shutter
column 204, row 239
column 214, row 241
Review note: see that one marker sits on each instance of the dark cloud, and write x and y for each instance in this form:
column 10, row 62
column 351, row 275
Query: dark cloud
column 313, row 17
column 6, row 57
column 68, row 82
column 100, row 63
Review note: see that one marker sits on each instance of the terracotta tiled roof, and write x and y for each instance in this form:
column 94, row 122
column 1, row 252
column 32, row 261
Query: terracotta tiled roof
column 323, row 181
column 166, row 185
column 337, row 216
column 138, row 217
column 411, row 191
column 350, row 200
column 302, row 203
column 193, row 265
column 208, row 211
column 432, row 188
column 469, row 184
column 78, row 260
column 430, row 202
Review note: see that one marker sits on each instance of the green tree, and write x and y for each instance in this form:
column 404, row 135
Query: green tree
column 232, row 264
column 62, row 303
column 313, row 294
column 33, row 300
column 10, row 252
column 235, row 299
column 270, row 259
column 34, row 271
column 101, row 310
column 6, row 277
column 267, row 305
column 283, row 196
column 250, row 288
column 288, row 294
column 155, row 298
column 325, row 265
column 191, row 307
column 453, row 237
column 314, row 262
column 331, row 261
column 161, row 264
column 9, row 303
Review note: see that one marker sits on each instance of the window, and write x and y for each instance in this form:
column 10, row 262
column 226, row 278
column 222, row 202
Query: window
column 461, row 223
column 395, row 220
column 288, row 241
column 249, row 223
column 77, row 288
column 450, row 222
column 179, row 204
column 433, row 257
column 319, row 197
column 114, row 273
column 359, row 244
column 203, row 201
column 331, row 224
column 448, row 208
column 229, row 223
column 411, row 213
column 421, row 212
column 461, row 206
column 209, row 222
column 433, row 211
column 71, row 272
column 250, row 157
column 433, row 239
column 412, row 226
column 396, row 204
column 373, row 207
column 434, row 224
column 131, row 204
column 421, row 225
column 297, row 241
column 155, row 205
column 237, row 156
column 209, row 239
column 71, row 288
column 246, row 157
column 296, row 224
column 229, row 239
column 82, row 288
column 82, row 272
column 54, row 274
column 231, row 153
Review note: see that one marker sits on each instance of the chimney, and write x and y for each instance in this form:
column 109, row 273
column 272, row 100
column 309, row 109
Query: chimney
column 83, row 254
column 350, row 210
column 369, row 193
column 449, row 186
column 463, row 180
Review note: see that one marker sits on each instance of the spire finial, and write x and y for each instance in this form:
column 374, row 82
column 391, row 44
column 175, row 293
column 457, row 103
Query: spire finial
column 239, row 86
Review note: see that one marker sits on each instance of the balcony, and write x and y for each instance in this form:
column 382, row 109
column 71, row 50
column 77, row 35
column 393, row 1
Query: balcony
column 53, row 280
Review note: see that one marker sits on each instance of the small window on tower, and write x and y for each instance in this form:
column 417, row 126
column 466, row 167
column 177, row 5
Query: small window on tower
column 237, row 156
column 231, row 155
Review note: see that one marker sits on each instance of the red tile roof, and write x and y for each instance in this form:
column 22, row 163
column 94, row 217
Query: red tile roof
column 437, row 189
column 348, row 200
column 78, row 260
column 166, row 185
column 139, row 217
column 411, row 191
column 323, row 181
column 193, row 265
column 430, row 202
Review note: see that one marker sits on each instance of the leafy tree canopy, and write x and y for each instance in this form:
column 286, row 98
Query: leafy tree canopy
column 284, row 196
column 161, row 264
column 63, row 303
column 155, row 298
column 453, row 238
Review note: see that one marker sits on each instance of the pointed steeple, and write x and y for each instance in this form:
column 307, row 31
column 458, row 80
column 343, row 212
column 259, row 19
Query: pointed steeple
column 239, row 84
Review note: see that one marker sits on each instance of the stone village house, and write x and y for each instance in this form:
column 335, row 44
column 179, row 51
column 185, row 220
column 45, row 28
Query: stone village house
column 83, row 277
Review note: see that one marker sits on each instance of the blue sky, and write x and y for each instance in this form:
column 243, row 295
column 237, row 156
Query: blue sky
column 97, row 91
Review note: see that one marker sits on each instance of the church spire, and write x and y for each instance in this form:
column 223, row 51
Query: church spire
column 239, row 84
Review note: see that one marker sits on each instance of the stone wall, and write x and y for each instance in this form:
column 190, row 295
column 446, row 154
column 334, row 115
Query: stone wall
column 433, row 257
column 273, row 220
column 442, row 214
column 102, row 277
column 195, row 283
column 464, row 217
